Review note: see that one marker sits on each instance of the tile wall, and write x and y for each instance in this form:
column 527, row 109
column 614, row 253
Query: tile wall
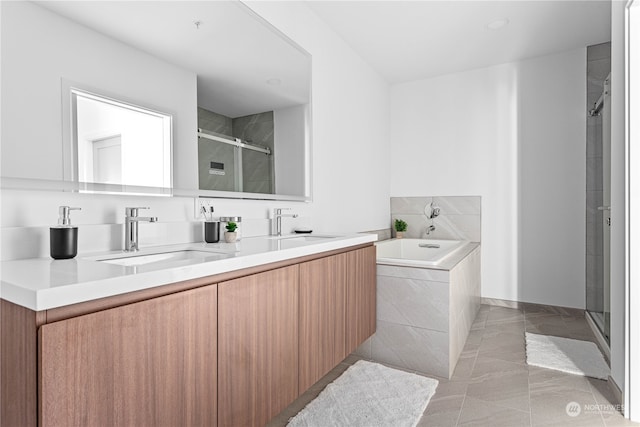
column 459, row 217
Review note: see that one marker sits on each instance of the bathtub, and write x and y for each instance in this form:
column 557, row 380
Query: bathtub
column 417, row 252
column 427, row 297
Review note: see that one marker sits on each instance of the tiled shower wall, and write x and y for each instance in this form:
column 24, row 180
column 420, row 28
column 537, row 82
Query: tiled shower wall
column 598, row 67
column 257, row 168
column 210, row 151
column 459, row 217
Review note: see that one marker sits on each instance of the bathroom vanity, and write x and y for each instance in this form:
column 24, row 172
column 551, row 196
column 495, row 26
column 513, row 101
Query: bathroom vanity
column 226, row 342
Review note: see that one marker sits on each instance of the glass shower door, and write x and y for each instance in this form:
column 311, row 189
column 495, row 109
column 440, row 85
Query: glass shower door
column 606, row 207
column 599, row 219
column 219, row 166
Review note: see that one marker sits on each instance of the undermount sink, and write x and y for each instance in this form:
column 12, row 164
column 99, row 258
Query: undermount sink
column 296, row 241
column 161, row 260
column 304, row 238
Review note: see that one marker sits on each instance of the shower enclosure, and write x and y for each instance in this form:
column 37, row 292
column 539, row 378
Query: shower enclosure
column 236, row 154
column 230, row 175
column 598, row 190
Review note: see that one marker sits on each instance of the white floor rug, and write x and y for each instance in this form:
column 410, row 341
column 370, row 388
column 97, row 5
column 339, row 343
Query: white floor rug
column 369, row 394
column 567, row 355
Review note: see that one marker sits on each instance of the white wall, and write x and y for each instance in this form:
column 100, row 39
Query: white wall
column 552, row 179
column 632, row 383
column 39, row 49
column 455, row 135
column 467, row 134
column 350, row 133
column 350, row 130
column 618, row 189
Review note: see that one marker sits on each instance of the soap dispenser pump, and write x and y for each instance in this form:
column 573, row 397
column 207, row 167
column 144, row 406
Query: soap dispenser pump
column 63, row 242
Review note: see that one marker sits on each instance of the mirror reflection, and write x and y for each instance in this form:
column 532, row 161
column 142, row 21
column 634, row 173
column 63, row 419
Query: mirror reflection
column 250, row 89
column 120, row 144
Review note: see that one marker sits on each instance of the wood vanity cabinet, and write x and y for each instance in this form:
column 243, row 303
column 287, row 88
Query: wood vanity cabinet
column 337, row 310
column 361, row 296
column 233, row 349
column 147, row 363
column 322, row 339
column 258, row 346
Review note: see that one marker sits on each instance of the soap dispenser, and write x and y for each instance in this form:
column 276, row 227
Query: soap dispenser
column 63, row 242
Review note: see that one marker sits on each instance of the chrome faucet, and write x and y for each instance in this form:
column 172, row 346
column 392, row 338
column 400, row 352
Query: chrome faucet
column 131, row 228
column 430, row 228
column 277, row 215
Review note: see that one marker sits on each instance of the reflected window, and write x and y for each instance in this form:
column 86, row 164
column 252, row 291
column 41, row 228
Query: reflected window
column 119, row 143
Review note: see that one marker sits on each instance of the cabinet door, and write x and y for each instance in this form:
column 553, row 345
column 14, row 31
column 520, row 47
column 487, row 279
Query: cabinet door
column 148, row 363
column 322, row 318
column 258, row 346
column 361, row 296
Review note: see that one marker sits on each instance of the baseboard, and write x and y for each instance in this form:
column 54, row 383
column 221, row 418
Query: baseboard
column 564, row 311
column 617, row 393
column 500, row 302
column 602, row 343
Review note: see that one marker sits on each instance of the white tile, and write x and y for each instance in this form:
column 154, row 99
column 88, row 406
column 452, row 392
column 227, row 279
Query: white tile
column 416, row 224
column 457, row 227
column 458, row 205
column 413, row 302
column 364, row 350
column 409, row 205
column 412, row 348
column 427, row 274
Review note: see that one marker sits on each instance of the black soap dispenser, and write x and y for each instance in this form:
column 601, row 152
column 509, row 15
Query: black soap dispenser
column 63, row 238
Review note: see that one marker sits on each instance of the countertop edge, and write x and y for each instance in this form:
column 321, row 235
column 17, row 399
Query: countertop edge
column 74, row 293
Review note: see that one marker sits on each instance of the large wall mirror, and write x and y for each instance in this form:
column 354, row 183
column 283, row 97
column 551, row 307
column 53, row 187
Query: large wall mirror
column 212, row 100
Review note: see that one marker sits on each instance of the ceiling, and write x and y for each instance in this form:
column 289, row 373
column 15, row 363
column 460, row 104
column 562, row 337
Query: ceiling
column 402, row 40
column 239, row 72
column 412, row 40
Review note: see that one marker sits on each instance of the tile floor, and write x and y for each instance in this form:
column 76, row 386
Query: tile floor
column 493, row 386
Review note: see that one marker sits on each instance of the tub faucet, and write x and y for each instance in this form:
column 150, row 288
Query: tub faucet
column 277, row 216
column 430, row 228
column 131, row 228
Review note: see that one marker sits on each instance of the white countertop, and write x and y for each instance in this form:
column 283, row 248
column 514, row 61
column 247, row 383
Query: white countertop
column 45, row 283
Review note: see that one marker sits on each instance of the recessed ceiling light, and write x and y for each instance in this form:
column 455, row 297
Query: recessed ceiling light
column 274, row 82
column 498, row 24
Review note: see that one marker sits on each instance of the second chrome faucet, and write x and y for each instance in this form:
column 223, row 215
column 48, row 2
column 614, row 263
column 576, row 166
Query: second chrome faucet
column 131, row 227
column 277, row 216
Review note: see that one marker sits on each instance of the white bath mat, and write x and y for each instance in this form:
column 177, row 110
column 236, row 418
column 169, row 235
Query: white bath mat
column 567, row 355
column 369, row 394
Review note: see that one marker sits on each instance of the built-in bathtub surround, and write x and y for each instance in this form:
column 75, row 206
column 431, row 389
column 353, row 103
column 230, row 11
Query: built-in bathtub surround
column 459, row 217
column 424, row 314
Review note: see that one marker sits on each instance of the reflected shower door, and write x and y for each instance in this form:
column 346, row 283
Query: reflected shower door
column 257, row 172
column 219, row 166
